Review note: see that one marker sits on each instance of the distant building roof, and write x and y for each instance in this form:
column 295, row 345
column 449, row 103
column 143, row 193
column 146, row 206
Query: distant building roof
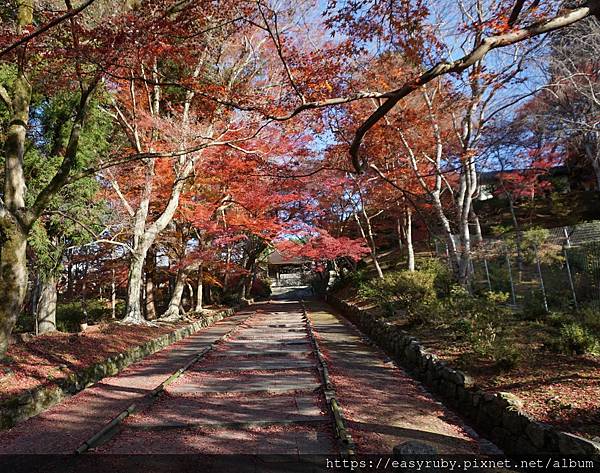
column 277, row 258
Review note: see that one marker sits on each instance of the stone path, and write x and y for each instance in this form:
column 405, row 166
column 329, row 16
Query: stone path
column 67, row 425
column 382, row 404
column 257, row 393
column 252, row 382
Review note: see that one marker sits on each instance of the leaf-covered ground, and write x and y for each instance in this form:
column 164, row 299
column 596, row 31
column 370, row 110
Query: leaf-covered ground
column 382, row 405
column 560, row 390
column 49, row 358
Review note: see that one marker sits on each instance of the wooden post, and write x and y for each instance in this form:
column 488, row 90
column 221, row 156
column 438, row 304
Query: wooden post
column 510, row 278
column 571, row 284
column 542, row 287
column 113, row 296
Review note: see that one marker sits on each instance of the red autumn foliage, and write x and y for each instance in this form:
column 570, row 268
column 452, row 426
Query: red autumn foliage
column 323, row 247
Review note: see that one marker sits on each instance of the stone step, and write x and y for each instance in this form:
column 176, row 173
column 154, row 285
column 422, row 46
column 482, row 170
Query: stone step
column 229, row 425
column 194, row 412
column 268, row 334
column 273, row 331
column 253, row 365
column 298, row 325
column 275, row 351
column 264, row 450
column 271, row 382
column 291, row 341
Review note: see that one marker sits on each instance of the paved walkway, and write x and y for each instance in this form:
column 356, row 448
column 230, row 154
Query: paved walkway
column 382, row 404
column 256, row 393
column 67, row 425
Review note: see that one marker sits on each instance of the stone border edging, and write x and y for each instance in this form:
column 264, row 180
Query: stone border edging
column 110, row 427
column 344, row 437
column 498, row 415
column 34, row 402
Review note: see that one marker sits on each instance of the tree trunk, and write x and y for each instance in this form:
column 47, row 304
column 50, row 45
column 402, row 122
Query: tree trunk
column 144, row 237
column 469, row 181
column 400, row 232
column 596, row 167
column 447, row 230
column 15, row 219
column 465, row 250
column 187, row 301
column 250, row 284
column 174, row 308
column 46, row 306
column 13, row 278
column 209, row 294
column 371, row 239
column 465, row 253
column 113, row 296
column 134, row 314
column 199, row 289
column 375, row 257
column 478, row 234
column 409, row 240
column 35, row 295
column 13, row 232
column 69, row 277
column 226, row 275
column 594, row 159
column 251, row 268
column 518, row 243
column 150, row 308
column 84, row 294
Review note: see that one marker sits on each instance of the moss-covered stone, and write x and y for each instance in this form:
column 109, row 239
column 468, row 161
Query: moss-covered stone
column 536, row 432
column 515, row 421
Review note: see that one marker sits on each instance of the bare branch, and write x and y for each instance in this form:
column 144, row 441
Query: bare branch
column 117, row 188
column 51, row 24
column 516, row 11
column 477, row 54
column 97, row 238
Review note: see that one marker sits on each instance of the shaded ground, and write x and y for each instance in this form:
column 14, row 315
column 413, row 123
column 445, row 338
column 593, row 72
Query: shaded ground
column 382, row 404
column 62, row 428
column 250, row 395
column 258, row 392
column 560, row 390
column 49, row 358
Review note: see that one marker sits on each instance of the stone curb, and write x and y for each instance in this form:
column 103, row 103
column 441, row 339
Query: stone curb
column 341, row 431
column 110, row 428
column 498, row 415
column 34, row 402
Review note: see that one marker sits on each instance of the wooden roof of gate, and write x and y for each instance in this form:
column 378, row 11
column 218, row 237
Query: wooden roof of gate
column 277, row 259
